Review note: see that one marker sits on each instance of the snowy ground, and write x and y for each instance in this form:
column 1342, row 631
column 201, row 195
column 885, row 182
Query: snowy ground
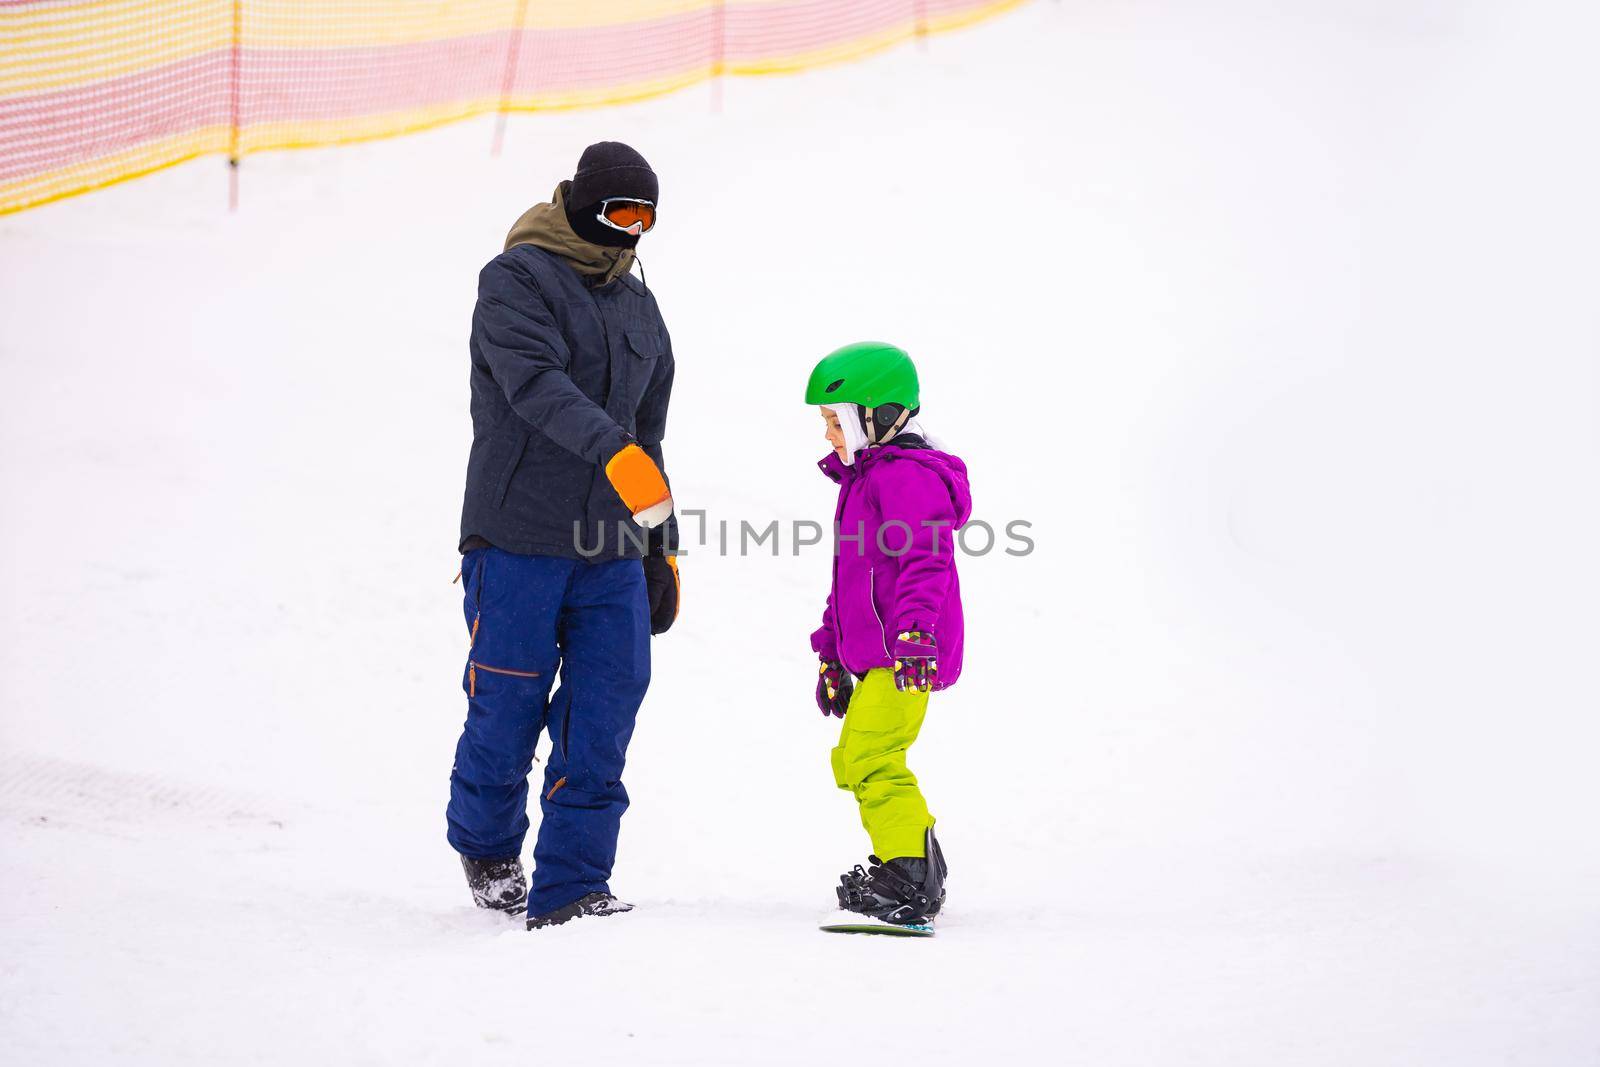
column 1277, row 321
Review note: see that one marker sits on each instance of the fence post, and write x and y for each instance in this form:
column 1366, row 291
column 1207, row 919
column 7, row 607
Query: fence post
column 233, row 106
column 509, row 79
column 719, row 19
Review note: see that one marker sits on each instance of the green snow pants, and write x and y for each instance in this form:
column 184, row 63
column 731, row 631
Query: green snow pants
column 880, row 724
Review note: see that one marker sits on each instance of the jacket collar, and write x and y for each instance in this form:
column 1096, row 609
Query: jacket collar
column 834, row 467
column 545, row 226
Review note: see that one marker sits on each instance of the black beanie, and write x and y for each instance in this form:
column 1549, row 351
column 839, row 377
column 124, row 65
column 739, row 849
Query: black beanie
column 607, row 169
column 611, row 168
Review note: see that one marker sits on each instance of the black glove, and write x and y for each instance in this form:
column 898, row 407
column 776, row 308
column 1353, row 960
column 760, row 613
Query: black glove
column 661, row 579
column 834, row 686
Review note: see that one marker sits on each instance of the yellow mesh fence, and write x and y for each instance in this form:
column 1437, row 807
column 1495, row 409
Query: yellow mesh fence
column 97, row 92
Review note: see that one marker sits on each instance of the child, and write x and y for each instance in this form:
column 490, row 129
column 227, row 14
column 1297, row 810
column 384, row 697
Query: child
column 893, row 616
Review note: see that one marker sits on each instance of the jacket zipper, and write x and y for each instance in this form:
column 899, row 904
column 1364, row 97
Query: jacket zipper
column 872, row 598
column 838, row 612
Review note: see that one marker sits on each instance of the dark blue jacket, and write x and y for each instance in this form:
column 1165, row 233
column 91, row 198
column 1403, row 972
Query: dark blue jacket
column 563, row 376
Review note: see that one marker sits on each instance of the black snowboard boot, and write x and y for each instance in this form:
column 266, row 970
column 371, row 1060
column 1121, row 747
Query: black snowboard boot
column 498, row 885
column 902, row 891
column 593, row 904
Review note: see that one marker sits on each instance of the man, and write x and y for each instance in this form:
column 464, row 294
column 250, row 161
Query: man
column 571, row 371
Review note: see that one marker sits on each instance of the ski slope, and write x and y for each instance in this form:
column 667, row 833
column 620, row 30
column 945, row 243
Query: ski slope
column 1276, row 321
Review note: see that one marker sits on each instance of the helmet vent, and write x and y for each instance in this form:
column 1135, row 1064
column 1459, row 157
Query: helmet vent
column 836, row 383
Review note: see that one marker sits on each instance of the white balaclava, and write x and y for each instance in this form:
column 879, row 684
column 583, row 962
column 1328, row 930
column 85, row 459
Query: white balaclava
column 855, row 436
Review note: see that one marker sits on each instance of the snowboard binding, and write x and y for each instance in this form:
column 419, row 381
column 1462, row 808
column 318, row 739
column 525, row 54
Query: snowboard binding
column 903, row 892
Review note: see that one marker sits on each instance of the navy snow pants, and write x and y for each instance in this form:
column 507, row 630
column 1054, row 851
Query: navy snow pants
column 530, row 616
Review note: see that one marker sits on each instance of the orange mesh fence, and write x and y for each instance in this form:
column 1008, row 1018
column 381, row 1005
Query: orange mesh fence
column 98, row 91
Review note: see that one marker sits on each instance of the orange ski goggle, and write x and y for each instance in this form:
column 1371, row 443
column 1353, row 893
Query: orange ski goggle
column 628, row 215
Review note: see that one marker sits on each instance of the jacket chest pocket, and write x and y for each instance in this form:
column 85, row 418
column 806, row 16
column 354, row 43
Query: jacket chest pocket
column 644, row 350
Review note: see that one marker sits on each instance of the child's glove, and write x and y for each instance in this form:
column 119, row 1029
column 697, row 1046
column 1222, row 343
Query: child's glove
column 916, row 662
column 634, row 476
column 834, row 686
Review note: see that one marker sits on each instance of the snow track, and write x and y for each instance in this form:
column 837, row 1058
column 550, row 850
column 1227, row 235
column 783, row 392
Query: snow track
column 62, row 794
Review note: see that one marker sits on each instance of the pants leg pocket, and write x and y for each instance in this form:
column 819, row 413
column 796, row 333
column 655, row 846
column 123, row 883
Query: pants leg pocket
column 837, row 759
column 877, row 707
column 491, row 676
column 880, row 724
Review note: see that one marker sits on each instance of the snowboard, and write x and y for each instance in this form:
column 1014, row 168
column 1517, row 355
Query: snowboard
column 861, row 924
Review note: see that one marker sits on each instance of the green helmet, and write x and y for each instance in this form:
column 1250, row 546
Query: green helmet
column 868, row 373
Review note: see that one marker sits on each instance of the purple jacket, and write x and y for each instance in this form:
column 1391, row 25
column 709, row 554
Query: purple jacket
column 891, row 572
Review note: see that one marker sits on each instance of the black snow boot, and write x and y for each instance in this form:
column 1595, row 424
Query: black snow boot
column 902, row 891
column 498, row 885
column 593, row 904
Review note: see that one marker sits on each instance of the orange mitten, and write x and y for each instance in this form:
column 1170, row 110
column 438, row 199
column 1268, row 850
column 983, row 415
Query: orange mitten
column 640, row 485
